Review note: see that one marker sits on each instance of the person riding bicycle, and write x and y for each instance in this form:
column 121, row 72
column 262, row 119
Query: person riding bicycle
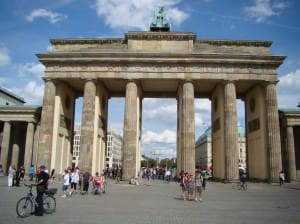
column 41, row 186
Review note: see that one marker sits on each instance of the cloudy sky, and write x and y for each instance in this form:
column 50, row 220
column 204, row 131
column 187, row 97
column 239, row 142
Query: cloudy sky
column 27, row 25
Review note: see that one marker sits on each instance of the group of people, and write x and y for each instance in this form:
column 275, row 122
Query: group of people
column 73, row 180
column 192, row 185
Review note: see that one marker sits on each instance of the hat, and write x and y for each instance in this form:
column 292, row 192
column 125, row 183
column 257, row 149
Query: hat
column 42, row 167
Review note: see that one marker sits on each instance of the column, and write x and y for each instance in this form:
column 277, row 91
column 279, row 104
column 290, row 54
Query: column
column 87, row 143
column 29, row 146
column 188, row 128
column 178, row 143
column 5, row 146
column 291, row 153
column 16, row 145
column 131, row 131
column 273, row 133
column 46, row 129
column 230, row 132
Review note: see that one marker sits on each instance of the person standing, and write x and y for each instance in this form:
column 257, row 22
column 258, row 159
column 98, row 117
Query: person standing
column 41, row 186
column 198, row 186
column 74, row 181
column 66, row 183
column 11, row 174
column 86, row 178
column 31, row 172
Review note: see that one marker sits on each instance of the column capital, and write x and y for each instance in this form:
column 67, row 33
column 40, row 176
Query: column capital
column 228, row 81
column 266, row 83
column 47, row 79
column 95, row 81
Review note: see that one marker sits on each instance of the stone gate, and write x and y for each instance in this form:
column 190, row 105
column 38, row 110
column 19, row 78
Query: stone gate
column 162, row 64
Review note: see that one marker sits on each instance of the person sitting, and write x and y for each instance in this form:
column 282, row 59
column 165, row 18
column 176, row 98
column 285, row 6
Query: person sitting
column 97, row 183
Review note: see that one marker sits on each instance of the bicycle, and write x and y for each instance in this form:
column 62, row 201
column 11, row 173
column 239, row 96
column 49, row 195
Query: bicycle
column 25, row 206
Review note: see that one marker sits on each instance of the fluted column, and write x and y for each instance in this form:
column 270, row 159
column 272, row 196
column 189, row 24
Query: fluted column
column 46, row 129
column 273, row 133
column 188, row 128
column 291, row 153
column 131, row 131
column 179, row 131
column 230, row 132
column 5, row 145
column 15, row 153
column 87, row 143
column 29, row 145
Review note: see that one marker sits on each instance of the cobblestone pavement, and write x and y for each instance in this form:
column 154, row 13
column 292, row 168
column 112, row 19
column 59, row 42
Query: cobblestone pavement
column 160, row 202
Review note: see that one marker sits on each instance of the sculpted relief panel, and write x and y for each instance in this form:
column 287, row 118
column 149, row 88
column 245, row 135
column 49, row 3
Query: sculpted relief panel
column 165, row 68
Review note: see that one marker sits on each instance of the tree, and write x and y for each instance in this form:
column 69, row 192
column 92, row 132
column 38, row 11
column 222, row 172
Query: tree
column 168, row 163
column 148, row 163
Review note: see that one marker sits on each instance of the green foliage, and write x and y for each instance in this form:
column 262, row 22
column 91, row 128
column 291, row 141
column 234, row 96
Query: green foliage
column 149, row 163
column 167, row 163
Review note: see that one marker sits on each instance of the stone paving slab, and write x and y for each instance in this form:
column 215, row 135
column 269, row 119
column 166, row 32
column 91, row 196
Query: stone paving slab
column 160, row 202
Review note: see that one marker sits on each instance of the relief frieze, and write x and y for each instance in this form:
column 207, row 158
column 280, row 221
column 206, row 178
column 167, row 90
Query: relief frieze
column 170, row 68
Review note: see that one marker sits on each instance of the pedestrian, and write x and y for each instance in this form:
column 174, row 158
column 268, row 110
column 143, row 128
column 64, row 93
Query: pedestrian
column 1, row 171
column 198, row 186
column 184, row 186
column 168, row 176
column 17, row 177
column 31, row 172
column 191, row 187
column 204, row 176
column 52, row 176
column 66, row 184
column 281, row 178
column 86, row 178
column 22, row 173
column 41, row 186
column 74, row 181
column 11, row 174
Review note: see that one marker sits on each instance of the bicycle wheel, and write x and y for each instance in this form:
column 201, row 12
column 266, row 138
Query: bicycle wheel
column 49, row 204
column 24, row 207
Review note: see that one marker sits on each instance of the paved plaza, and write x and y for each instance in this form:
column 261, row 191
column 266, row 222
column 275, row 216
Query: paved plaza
column 160, row 202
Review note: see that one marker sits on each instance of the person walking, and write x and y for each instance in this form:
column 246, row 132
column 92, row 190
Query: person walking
column 41, row 186
column 281, row 178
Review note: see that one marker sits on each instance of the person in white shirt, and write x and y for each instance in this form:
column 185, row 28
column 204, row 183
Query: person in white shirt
column 66, row 181
column 74, row 181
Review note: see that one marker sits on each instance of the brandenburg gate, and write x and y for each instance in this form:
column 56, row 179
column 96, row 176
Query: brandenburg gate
column 162, row 65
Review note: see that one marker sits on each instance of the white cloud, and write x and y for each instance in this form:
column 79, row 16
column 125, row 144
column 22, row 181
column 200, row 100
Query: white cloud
column 32, row 93
column 52, row 17
column 4, row 57
column 167, row 136
column 263, row 9
column 36, row 69
column 136, row 14
column 289, row 89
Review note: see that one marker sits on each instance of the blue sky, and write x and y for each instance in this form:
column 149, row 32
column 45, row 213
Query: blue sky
column 27, row 25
